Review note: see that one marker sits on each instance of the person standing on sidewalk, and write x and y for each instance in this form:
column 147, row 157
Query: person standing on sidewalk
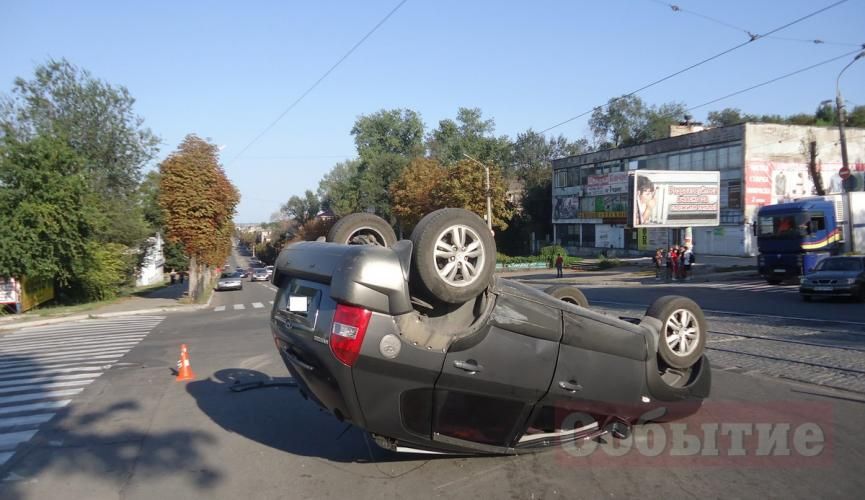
column 659, row 256
column 559, row 263
column 687, row 260
column 674, row 262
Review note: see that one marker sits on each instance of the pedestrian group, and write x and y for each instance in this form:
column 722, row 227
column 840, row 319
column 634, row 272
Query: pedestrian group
column 677, row 262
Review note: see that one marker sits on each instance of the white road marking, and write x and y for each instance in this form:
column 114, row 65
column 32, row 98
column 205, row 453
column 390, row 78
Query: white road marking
column 11, row 439
column 37, row 419
column 239, row 307
column 257, row 305
column 56, row 367
column 108, row 358
column 41, row 365
column 219, row 308
column 47, row 405
column 58, row 378
column 51, row 385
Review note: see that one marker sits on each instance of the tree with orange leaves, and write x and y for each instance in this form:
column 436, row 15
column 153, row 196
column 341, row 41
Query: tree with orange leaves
column 198, row 202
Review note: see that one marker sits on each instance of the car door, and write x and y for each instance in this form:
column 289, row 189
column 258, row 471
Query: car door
column 491, row 380
column 600, row 371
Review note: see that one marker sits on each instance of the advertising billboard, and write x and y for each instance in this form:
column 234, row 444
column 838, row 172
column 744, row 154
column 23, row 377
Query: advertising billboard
column 675, row 198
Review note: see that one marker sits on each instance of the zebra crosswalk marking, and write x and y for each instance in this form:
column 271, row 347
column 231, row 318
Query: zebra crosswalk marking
column 42, row 368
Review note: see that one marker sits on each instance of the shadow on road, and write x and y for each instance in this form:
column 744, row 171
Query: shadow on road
column 277, row 416
column 80, row 452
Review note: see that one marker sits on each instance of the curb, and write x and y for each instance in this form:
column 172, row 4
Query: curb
column 15, row 324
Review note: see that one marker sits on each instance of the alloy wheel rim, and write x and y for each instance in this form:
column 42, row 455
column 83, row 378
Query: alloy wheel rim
column 682, row 332
column 459, row 256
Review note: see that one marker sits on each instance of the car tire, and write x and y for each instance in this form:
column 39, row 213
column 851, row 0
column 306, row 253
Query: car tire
column 569, row 294
column 453, row 256
column 683, row 334
column 362, row 229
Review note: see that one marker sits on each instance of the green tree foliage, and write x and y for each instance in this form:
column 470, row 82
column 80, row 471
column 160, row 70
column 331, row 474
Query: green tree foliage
column 100, row 125
column 338, row 189
column 302, row 209
column 855, row 117
column 627, row 120
column 198, row 203
column 386, row 141
column 468, row 134
column 725, row 117
column 412, row 192
column 108, row 271
column 46, row 209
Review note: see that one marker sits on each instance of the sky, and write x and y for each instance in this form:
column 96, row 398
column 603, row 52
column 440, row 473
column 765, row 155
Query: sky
column 225, row 70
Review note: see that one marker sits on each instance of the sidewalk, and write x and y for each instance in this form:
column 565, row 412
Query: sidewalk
column 165, row 299
column 640, row 270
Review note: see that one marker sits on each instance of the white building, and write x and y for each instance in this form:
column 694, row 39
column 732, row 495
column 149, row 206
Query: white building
column 152, row 266
column 760, row 164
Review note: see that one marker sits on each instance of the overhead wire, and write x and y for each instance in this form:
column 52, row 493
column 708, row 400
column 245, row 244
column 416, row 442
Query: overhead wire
column 317, row 82
column 695, row 65
column 678, row 8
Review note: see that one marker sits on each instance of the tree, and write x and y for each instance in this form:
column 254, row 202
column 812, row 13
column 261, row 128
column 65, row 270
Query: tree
column 412, row 190
column 396, row 131
column 198, row 203
column 98, row 121
column 302, row 209
column 855, row 118
column 725, row 117
column 386, row 141
column 468, row 134
column 426, row 185
column 627, row 120
column 46, row 210
column 338, row 189
column 533, row 154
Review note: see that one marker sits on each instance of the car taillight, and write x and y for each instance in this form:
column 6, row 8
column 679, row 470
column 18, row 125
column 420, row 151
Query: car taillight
column 346, row 335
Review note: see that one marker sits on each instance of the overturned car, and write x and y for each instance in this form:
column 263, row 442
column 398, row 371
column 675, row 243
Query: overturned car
column 420, row 344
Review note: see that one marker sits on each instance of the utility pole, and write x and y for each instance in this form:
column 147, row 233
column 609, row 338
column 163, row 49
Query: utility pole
column 839, row 103
column 489, row 202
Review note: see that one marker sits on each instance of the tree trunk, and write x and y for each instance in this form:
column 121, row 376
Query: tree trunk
column 193, row 278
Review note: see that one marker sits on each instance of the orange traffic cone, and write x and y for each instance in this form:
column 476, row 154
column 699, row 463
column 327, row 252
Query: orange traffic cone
column 184, row 369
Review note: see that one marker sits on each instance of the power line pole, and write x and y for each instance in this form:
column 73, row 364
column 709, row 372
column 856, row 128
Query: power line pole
column 489, row 202
column 839, row 103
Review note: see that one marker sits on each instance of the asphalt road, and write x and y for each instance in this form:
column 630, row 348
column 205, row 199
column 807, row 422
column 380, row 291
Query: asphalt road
column 134, row 432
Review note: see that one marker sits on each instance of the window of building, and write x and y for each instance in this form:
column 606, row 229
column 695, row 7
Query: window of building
column 723, row 158
column 574, row 176
column 735, row 156
column 588, row 235
column 734, row 194
column 673, row 162
column 696, row 160
column 561, row 178
column 710, row 159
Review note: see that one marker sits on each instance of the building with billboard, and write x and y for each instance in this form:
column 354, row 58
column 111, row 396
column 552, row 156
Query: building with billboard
column 757, row 164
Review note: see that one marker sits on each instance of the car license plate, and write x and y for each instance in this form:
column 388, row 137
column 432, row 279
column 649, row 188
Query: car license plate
column 822, row 288
column 779, row 270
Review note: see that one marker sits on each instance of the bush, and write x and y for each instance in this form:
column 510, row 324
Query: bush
column 106, row 272
column 609, row 263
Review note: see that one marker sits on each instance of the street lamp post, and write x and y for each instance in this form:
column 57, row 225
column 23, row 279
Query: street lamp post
column 839, row 104
column 489, row 201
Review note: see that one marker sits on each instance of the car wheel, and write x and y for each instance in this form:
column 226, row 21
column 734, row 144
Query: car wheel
column 569, row 294
column 453, row 255
column 683, row 334
column 362, row 229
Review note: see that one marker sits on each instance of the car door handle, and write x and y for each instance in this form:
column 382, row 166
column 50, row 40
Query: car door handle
column 470, row 366
column 570, row 385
